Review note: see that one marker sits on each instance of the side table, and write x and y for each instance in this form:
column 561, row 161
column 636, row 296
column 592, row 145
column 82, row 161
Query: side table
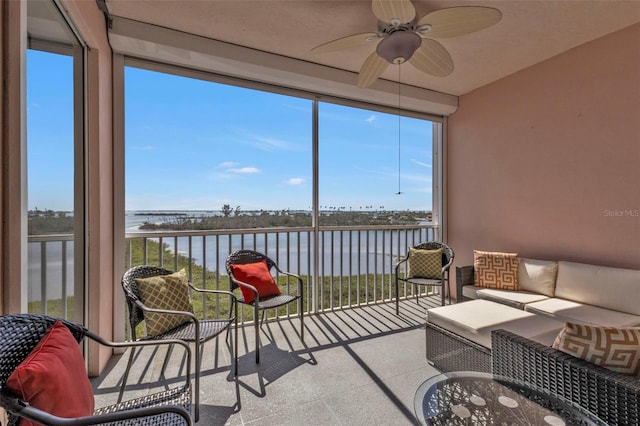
column 473, row 398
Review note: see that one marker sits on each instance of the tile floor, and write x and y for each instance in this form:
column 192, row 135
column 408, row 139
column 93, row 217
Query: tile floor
column 357, row 366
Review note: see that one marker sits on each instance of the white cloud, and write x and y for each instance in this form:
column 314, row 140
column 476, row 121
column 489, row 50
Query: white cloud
column 245, row 170
column 295, row 181
column 371, row 119
column 227, row 164
column 144, row 148
column 420, row 163
column 270, row 144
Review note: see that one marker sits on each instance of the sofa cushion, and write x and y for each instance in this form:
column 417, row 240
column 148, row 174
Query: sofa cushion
column 538, row 276
column 570, row 311
column 617, row 349
column 471, row 291
column 515, row 299
column 474, row 320
column 612, row 288
column 495, row 270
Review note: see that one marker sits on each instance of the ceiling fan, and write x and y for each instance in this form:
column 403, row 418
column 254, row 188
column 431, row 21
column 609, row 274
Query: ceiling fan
column 402, row 37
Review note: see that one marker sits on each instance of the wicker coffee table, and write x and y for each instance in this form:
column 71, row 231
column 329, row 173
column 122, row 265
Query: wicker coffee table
column 473, row 398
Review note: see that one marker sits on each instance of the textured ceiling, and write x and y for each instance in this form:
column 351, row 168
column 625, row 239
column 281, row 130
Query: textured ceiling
column 530, row 31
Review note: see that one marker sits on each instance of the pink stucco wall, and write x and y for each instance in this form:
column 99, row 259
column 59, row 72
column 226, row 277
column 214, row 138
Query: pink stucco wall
column 546, row 162
column 90, row 23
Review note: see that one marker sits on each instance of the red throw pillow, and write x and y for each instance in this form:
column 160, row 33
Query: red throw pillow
column 53, row 377
column 258, row 275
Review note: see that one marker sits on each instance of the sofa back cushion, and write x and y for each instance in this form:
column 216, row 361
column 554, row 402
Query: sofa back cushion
column 537, row 276
column 611, row 288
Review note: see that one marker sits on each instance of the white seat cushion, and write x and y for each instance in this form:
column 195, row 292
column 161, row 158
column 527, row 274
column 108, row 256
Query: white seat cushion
column 570, row 311
column 515, row 299
column 474, row 320
column 470, row 291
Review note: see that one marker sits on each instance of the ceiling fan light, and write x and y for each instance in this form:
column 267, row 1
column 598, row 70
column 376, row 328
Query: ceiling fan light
column 399, row 46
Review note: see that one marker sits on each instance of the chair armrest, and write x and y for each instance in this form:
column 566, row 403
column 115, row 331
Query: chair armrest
column 233, row 306
column 136, row 416
column 130, row 344
column 612, row 396
column 166, row 311
column 464, row 276
column 212, row 291
column 246, row 285
column 297, row 277
column 397, row 266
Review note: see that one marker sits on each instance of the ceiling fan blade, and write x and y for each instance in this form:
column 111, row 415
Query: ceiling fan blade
column 347, row 42
column 388, row 10
column 373, row 66
column 432, row 58
column 457, row 21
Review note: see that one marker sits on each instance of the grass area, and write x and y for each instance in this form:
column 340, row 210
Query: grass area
column 333, row 292
column 54, row 308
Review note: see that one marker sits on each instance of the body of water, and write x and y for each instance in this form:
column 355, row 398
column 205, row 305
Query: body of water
column 343, row 253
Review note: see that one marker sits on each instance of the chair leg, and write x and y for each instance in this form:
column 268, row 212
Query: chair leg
column 300, row 309
column 256, row 325
column 235, row 343
column 397, row 297
column 197, row 396
column 126, row 374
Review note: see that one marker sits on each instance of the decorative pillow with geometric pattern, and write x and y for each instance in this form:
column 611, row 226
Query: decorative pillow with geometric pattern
column 495, row 270
column 425, row 263
column 617, row 349
column 169, row 292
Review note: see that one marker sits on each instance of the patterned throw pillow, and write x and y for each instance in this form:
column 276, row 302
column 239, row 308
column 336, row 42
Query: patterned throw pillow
column 169, row 292
column 617, row 349
column 495, row 270
column 425, row 263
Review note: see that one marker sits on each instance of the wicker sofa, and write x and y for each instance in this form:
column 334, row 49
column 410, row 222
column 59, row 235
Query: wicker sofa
column 613, row 397
column 510, row 332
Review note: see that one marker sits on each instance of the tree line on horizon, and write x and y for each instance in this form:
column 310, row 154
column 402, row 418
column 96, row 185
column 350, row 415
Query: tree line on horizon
column 231, row 218
column 42, row 222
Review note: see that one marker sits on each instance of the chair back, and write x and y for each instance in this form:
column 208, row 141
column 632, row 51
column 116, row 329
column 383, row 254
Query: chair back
column 447, row 252
column 132, row 294
column 241, row 257
column 20, row 333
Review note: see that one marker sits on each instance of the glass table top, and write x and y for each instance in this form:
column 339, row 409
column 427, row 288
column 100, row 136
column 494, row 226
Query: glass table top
column 473, row 398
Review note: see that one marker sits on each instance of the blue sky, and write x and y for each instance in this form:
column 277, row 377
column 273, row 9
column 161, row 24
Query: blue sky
column 197, row 145
column 49, row 131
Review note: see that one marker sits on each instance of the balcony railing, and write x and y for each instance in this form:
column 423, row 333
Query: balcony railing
column 346, row 267
column 50, row 274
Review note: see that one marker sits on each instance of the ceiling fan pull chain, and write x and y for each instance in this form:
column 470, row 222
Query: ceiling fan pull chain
column 399, row 130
